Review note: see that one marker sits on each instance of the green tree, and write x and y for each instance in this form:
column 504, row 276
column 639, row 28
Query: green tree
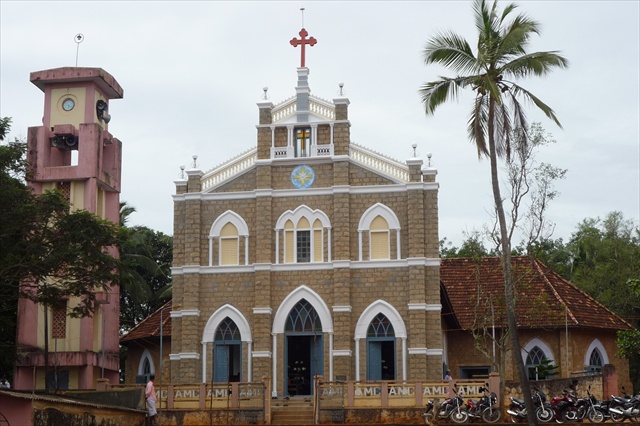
column 497, row 111
column 606, row 265
column 44, row 257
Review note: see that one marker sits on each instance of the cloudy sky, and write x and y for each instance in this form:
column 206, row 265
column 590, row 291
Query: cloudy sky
column 192, row 73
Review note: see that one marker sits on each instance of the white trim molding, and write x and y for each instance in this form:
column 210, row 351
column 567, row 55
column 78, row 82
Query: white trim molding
column 261, row 354
column 342, row 352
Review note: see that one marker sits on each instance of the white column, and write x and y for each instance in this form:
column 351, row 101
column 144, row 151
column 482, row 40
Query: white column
column 314, row 134
column 289, row 136
column 210, row 250
column 357, row 360
column 329, row 244
column 273, row 136
column 250, row 362
column 331, row 128
column 246, row 249
column 360, row 246
column 274, row 357
column 404, row 358
column 398, row 244
column 277, row 246
column 204, row 362
column 331, row 357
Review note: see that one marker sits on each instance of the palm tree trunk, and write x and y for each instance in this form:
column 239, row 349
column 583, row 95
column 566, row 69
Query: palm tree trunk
column 508, row 275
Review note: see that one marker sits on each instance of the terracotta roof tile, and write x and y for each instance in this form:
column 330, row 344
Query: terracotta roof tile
column 150, row 326
column 543, row 298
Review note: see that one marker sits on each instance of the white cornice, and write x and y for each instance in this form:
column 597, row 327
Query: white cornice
column 185, row 313
column 311, row 266
column 341, row 352
column 339, row 308
column 284, row 193
column 184, row 355
column 424, row 307
column 262, row 311
column 261, row 354
column 425, row 351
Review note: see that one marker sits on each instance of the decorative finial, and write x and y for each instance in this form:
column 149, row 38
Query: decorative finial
column 78, row 38
column 341, row 85
column 429, row 159
column 414, row 146
column 265, row 96
column 195, row 161
column 182, row 171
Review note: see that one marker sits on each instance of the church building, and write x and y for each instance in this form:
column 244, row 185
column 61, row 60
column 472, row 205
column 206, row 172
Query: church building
column 306, row 255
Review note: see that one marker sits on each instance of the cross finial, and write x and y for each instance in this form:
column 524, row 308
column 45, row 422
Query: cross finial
column 302, row 42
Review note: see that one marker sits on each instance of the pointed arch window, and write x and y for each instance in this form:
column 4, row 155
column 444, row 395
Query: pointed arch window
column 380, row 326
column 303, row 318
column 537, row 364
column 375, row 234
column 227, row 330
column 595, row 361
column 228, row 234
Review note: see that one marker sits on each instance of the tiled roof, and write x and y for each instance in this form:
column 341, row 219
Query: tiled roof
column 150, row 326
column 543, row 298
column 470, row 286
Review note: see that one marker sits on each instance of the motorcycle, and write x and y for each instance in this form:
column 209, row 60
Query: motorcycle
column 627, row 407
column 518, row 412
column 564, row 407
column 590, row 408
column 451, row 408
column 485, row 408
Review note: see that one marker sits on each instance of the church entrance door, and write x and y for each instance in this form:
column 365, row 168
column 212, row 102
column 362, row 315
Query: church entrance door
column 304, row 355
column 381, row 349
column 227, row 352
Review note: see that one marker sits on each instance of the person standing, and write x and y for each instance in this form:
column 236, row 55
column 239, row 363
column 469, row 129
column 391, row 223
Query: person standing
column 447, row 375
column 150, row 394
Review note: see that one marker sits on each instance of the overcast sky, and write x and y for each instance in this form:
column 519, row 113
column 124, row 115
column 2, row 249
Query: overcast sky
column 192, row 73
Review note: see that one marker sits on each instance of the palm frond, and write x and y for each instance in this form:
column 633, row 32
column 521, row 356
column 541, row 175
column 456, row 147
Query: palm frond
column 436, row 93
column 477, row 125
column 537, row 63
column 452, row 51
column 546, row 109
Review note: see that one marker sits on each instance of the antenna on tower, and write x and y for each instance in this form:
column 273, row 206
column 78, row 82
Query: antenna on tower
column 302, row 12
column 78, row 38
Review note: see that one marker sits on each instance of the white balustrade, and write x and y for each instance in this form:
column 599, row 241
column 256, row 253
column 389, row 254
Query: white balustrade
column 379, row 162
column 229, row 169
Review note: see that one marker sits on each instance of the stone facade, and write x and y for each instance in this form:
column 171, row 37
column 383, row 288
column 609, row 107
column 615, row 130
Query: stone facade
column 347, row 288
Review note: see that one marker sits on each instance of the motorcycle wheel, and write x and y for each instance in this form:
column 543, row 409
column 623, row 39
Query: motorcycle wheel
column 491, row 415
column 515, row 419
column 617, row 418
column 459, row 416
column 544, row 414
column 570, row 416
column 595, row 416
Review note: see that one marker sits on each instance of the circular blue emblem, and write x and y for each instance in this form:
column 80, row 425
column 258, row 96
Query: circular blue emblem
column 302, row 177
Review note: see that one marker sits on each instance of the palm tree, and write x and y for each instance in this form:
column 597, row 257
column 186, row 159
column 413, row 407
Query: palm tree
column 497, row 112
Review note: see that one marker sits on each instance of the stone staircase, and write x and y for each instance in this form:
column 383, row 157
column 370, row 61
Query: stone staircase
column 296, row 410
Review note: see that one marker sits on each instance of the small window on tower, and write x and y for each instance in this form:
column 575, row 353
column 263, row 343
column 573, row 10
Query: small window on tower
column 303, row 142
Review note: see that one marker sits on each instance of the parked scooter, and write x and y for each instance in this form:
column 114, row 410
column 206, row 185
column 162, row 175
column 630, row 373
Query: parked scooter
column 564, row 407
column 485, row 408
column 452, row 408
column 627, row 407
column 518, row 412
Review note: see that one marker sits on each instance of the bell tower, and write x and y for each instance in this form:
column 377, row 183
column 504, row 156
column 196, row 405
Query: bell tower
column 73, row 152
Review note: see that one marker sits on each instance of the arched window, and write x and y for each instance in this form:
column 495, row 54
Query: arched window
column 595, row 356
column 538, row 366
column 375, row 230
column 227, row 352
column 381, row 349
column 379, row 239
column 145, row 367
column 306, row 236
column 229, row 245
column 230, row 232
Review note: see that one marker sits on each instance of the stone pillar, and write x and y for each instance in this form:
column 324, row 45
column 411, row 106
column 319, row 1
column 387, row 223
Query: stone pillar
column 264, row 130
column 341, row 128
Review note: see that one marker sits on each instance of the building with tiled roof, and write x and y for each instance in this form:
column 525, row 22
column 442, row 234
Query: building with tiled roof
column 556, row 320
